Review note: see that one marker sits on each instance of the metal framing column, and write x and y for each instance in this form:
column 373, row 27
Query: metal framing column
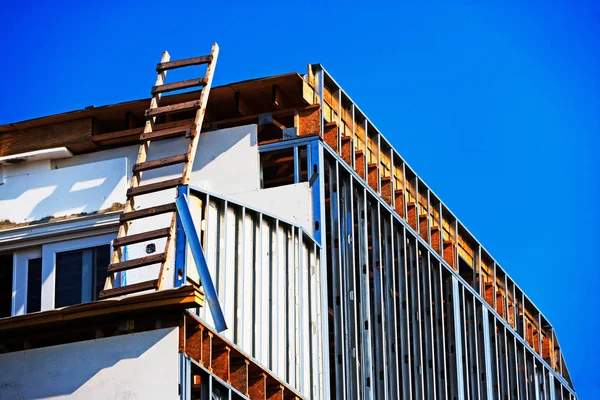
column 319, row 225
column 185, row 384
column 457, row 304
column 488, row 352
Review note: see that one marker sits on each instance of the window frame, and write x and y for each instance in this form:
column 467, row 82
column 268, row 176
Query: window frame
column 49, row 264
column 47, row 252
column 21, row 259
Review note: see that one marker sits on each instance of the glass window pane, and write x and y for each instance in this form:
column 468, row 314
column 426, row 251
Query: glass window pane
column 34, row 285
column 68, row 278
column 69, row 275
column 101, row 261
column 6, row 279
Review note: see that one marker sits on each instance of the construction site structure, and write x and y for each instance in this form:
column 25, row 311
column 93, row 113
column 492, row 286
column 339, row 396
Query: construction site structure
column 257, row 240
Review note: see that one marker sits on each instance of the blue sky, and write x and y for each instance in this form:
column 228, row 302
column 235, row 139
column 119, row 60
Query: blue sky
column 496, row 107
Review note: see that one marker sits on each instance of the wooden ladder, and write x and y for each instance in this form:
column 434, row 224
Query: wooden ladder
column 136, row 189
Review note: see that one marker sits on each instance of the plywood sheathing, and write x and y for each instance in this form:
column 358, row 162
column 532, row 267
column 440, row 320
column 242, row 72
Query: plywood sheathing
column 239, row 374
column 412, row 214
column 231, row 365
column 424, row 227
column 373, row 176
column 359, row 165
column 309, row 122
column 500, row 305
column 193, row 342
column 220, row 361
column 386, row 189
column 399, row 194
column 331, row 135
column 436, row 239
column 347, row 150
column 450, row 253
column 275, row 392
column 488, row 293
column 257, row 385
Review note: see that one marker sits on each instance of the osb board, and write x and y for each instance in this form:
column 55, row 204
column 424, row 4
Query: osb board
column 310, row 123
column 67, row 134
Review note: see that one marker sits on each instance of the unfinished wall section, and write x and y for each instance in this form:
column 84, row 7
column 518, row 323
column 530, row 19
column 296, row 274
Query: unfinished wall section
column 267, row 275
column 417, row 308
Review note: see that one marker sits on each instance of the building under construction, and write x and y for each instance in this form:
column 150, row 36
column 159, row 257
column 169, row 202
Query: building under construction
column 257, row 240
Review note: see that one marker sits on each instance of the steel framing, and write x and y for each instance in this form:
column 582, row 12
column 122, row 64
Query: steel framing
column 268, row 277
column 405, row 323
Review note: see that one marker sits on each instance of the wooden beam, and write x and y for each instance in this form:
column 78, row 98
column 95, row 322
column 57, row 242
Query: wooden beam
column 252, row 118
column 118, row 134
column 133, row 132
column 183, row 297
column 131, row 121
column 278, row 98
column 241, row 106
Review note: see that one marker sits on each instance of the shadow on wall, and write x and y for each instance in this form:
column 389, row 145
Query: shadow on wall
column 226, row 162
column 139, row 365
column 44, row 192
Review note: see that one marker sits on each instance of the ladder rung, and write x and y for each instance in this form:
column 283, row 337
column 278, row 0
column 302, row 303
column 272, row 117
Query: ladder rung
column 148, row 212
column 186, row 62
column 167, row 133
column 173, row 108
column 161, row 162
column 136, row 287
column 169, row 87
column 153, row 187
column 141, row 237
column 137, row 262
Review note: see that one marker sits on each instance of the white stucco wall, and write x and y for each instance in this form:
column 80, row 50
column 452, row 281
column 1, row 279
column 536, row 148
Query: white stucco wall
column 136, row 366
column 292, row 203
column 226, row 162
column 35, row 190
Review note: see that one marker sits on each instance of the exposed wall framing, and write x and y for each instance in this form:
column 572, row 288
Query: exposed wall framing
column 267, row 273
column 438, row 229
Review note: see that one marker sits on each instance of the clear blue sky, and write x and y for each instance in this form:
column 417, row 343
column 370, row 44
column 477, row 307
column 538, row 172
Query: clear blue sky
column 496, row 107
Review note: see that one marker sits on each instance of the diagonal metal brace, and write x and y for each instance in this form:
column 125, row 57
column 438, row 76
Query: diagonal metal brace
column 187, row 222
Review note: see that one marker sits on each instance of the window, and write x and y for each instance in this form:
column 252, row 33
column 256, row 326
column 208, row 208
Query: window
column 80, row 275
column 53, row 275
column 6, row 282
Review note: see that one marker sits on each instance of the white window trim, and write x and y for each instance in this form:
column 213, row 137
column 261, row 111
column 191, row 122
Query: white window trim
column 20, row 277
column 49, row 263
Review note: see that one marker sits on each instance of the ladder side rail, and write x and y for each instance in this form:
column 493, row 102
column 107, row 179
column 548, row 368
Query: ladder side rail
column 136, row 176
column 191, row 153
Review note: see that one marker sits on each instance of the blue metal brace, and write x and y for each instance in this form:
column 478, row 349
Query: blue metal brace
column 180, row 245
column 187, row 223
